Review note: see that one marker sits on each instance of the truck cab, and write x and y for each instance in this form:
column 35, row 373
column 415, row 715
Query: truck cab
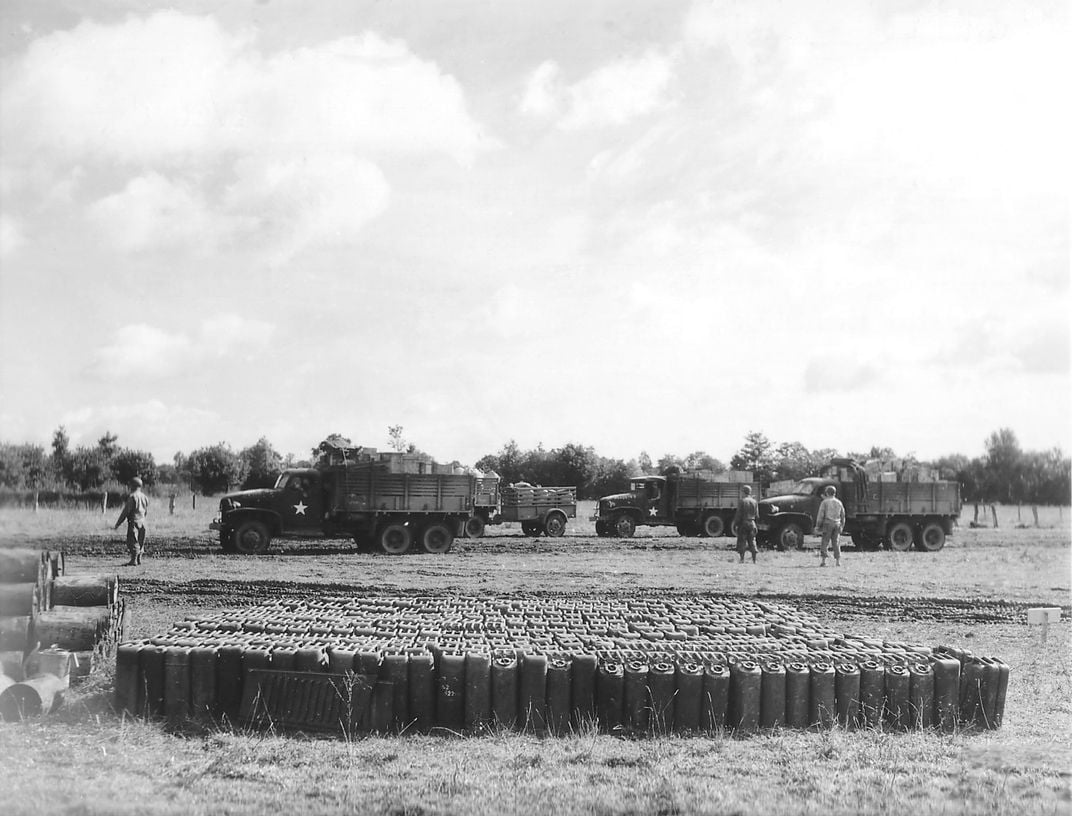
column 647, row 502
column 249, row 519
column 787, row 518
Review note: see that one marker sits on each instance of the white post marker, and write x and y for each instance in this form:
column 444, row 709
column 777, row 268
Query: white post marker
column 1044, row 616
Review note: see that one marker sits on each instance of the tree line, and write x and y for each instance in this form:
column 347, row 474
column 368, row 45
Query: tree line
column 1003, row 473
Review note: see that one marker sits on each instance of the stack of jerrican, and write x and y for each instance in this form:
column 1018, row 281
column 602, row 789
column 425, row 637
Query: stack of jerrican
column 551, row 664
column 53, row 628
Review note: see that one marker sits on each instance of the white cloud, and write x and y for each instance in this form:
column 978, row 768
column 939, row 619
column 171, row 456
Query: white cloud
column 148, row 352
column 155, row 213
column 542, row 94
column 10, row 235
column 611, row 95
column 222, row 142
column 153, row 425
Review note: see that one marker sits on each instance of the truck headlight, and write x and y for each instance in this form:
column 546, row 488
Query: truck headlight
column 774, row 509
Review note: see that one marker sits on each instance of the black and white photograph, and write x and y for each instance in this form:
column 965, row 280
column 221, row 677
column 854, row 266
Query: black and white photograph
column 610, row 407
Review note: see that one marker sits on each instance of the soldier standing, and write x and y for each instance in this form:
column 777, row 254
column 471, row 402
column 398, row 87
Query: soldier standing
column 134, row 511
column 745, row 519
column 830, row 521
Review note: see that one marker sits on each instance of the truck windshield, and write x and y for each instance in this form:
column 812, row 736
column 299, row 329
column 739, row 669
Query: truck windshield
column 803, row 489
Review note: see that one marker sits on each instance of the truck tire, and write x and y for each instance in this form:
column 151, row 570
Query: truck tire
column 602, row 529
column 790, row 537
column 731, row 528
column 252, row 538
column 555, row 523
column 474, row 527
column 530, row 528
column 865, row 541
column 713, row 526
column 436, row 538
column 900, row 536
column 687, row 528
column 624, row 526
column 931, row 537
column 395, row 538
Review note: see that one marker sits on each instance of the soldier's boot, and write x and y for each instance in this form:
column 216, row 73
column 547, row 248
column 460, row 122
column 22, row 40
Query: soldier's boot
column 137, row 560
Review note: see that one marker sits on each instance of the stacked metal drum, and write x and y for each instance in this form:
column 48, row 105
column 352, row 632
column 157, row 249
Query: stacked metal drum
column 550, row 664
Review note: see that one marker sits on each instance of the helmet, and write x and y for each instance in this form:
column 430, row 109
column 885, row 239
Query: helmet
column 830, row 490
column 136, row 481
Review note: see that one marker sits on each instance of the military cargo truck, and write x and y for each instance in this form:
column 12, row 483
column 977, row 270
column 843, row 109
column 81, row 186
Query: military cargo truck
column 364, row 501
column 696, row 504
column 894, row 514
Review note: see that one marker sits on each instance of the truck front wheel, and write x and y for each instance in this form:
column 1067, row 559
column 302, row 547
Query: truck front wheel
column 713, row 526
column 252, row 538
column 624, row 526
column 790, row 537
column 555, row 524
column 396, row 538
column 602, row 529
column 227, row 539
column 900, row 536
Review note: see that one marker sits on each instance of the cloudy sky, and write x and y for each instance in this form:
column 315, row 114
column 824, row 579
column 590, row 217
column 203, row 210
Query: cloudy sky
column 633, row 225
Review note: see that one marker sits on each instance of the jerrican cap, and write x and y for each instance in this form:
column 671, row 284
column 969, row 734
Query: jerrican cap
column 136, row 481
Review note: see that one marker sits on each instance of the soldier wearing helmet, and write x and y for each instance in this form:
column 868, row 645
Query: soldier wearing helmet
column 135, row 509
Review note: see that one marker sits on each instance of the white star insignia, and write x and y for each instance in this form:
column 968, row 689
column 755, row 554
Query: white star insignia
column 300, row 508
column 653, row 511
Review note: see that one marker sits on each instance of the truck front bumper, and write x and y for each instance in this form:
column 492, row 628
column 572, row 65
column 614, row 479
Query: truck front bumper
column 216, row 524
column 594, row 517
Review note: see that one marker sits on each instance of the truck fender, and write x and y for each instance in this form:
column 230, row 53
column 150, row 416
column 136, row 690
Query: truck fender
column 238, row 517
column 806, row 522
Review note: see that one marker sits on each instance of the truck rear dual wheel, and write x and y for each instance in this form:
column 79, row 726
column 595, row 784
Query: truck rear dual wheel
column 395, row 538
column 931, row 537
column 713, row 526
column 252, row 538
column 436, row 538
column 900, row 536
column 474, row 527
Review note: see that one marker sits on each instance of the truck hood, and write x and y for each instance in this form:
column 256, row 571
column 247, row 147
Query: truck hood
column 618, row 500
column 250, row 498
column 784, row 503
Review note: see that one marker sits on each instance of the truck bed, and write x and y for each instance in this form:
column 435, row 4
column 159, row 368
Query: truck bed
column 365, row 489
column 523, row 503
column 902, row 498
column 704, row 493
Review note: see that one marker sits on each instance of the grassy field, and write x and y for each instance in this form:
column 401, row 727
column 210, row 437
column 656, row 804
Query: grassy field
column 87, row 760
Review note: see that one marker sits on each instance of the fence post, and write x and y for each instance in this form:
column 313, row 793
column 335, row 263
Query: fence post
column 104, row 502
column 193, row 501
column 994, row 513
column 37, row 497
column 1034, row 512
column 977, row 512
column 171, row 504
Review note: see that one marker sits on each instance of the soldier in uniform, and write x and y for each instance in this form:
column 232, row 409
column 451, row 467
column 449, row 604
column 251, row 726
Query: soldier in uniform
column 134, row 511
column 745, row 519
column 830, row 521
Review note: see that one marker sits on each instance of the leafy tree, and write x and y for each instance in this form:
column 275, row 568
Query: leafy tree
column 645, row 463
column 507, row 462
column 396, row 443
column 1003, row 463
column 128, row 463
column 168, row 475
column 61, row 455
column 88, row 467
column 700, row 460
column 22, row 466
column 792, row 460
column 107, row 444
column 215, row 469
column 262, row 464
column 755, row 455
column 612, row 476
column 668, row 461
